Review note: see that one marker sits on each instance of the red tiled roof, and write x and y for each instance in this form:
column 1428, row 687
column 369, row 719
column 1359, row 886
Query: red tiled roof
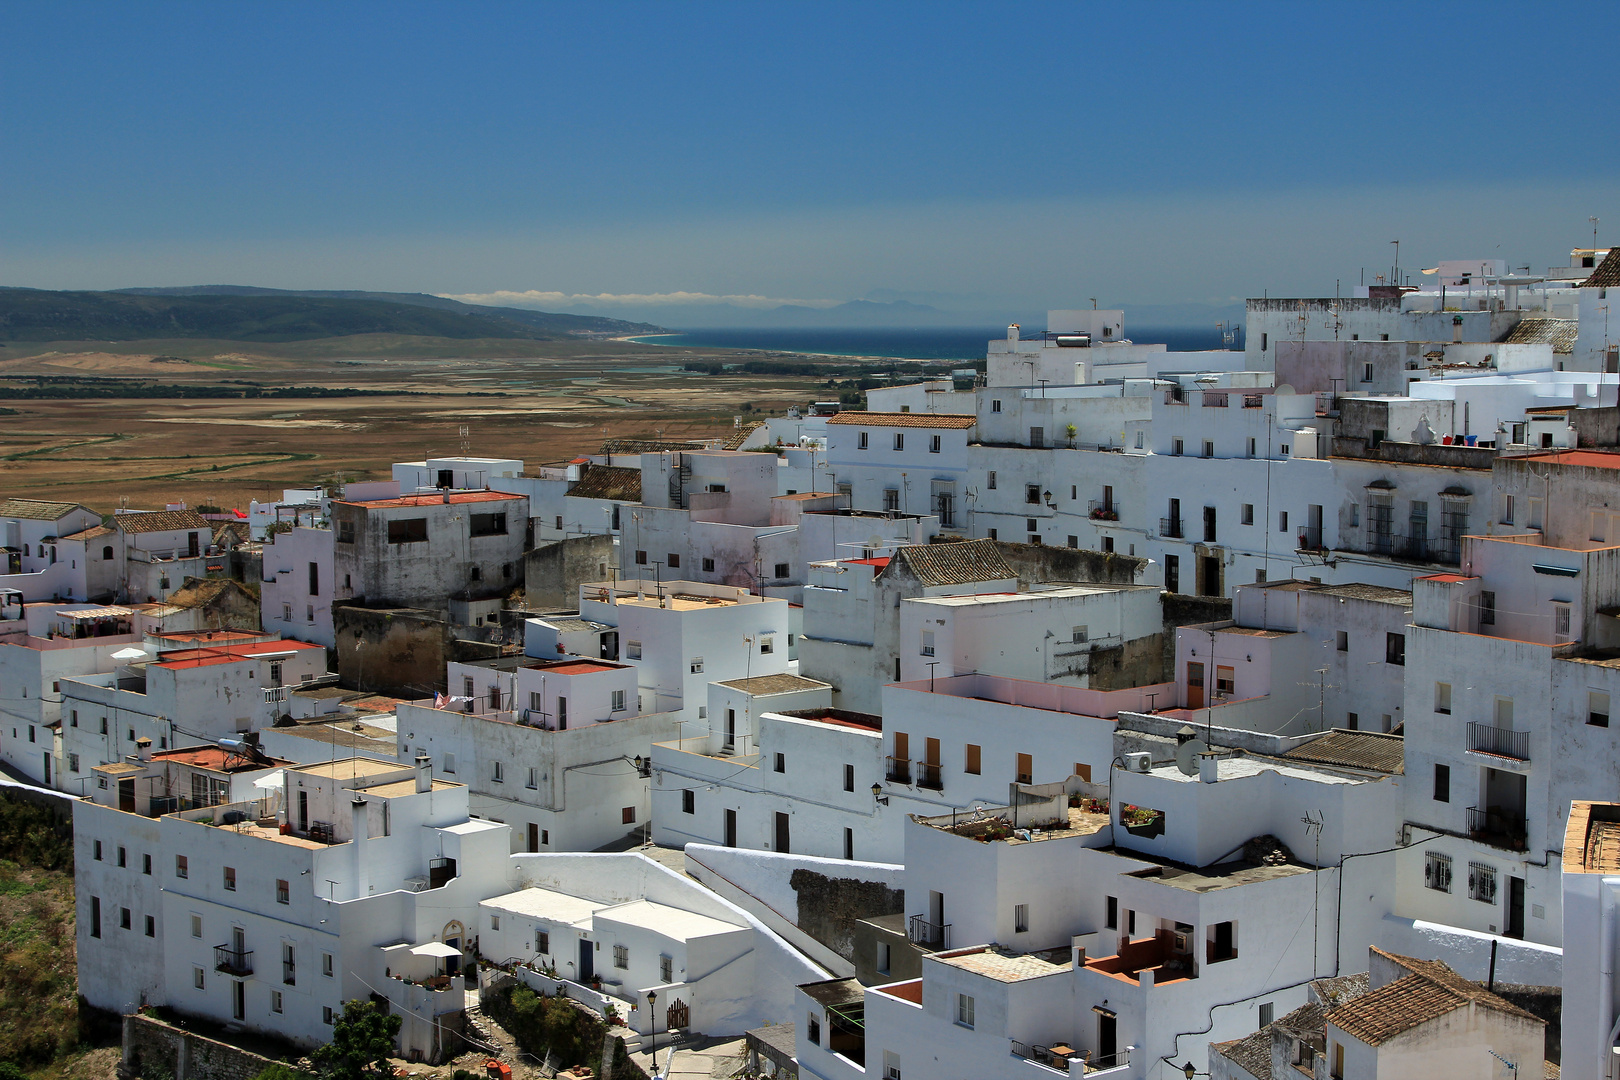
column 909, row 419
column 578, row 667
column 1586, row 459
column 216, row 758
column 455, row 498
column 229, row 654
column 161, row 521
column 879, row 562
column 1446, row 579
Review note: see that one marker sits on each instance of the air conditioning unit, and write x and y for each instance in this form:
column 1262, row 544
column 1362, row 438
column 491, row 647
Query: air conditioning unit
column 1141, row 762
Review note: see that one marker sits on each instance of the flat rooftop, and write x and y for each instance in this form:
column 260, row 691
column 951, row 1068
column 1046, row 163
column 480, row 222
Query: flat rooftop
column 1203, row 879
column 1081, row 823
column 563, row 908
column 677, row 601
column 454, row 498
column 762, row 685
column 1005, row 966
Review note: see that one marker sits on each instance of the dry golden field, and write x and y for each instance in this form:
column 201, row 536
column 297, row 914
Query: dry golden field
column 560, row 400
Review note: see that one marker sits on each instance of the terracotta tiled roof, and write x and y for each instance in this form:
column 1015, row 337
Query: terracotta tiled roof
column 741, row 434
column 1356, row 590
column 94, row 532
column 1371, row 750
column 952, row 564
column 37, row 509
column 1559, row 333
column 1431, row 991
column 162, row 521
column 774, row 684
column 1607, row 274
column 609, row 482
column 1252, row 1053
column 903, row 419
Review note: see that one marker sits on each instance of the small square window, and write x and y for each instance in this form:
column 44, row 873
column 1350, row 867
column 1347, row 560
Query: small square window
column 688, row 801
column 964, row 1010
column 696, row 666
column 627, row 816
column 621, row 956
column 1597, row 708
column 1437, row 872
column 326, row 1014
column 542, row 942
column 326, row 964
column 283, row 892
column 230, row 879
column 196, row 926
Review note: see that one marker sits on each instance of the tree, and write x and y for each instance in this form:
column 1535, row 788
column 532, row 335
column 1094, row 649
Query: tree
column 362, row 1040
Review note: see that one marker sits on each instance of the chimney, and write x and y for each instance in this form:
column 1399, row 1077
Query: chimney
column 424, row 773
column 143, row 748
column 1012, row 332
column 447, row 496
column 1208, row 768
column 361, row 834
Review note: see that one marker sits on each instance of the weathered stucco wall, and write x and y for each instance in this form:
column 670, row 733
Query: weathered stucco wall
column 398, row 651
column 553, row 573
column 829, row 908
column 153, row 1048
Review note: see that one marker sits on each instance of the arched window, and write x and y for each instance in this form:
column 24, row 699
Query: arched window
column 106, row 552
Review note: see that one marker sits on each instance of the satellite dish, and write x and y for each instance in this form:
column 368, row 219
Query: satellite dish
column 1187, row 752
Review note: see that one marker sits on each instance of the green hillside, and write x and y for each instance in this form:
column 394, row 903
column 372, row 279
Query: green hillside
column 44, row 315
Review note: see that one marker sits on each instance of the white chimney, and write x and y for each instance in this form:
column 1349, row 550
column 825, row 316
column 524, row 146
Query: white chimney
column 1012, row 332
column 143, row 748
column 361, row 834
column 1209, row 767
column 424, row 773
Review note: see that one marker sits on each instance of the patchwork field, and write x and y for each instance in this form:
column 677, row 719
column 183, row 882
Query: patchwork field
column 154, row 424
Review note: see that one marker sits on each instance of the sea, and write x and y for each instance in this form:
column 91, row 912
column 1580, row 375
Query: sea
column 920, row 343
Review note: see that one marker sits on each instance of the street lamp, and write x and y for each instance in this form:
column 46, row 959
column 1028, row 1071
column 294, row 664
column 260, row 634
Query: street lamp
column 878, row 796
column 652, row 1031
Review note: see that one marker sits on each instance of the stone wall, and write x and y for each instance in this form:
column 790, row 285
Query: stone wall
column 153, row 1048
column 1182, row 610
column 829, row 908
column 553, row 573
column 401, row 651
column 1044, row 562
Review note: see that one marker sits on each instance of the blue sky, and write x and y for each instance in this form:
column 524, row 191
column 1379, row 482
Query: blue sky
column 971, row 156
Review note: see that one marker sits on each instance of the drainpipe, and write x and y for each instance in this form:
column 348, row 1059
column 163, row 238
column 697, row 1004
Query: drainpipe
column 1606, row 913
column 361, row 887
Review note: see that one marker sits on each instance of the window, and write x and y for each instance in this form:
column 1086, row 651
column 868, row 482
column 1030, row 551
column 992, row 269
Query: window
column 891, row 498
column 230, row 879
column 1395, row 649
column 933, row 444
column 1507, row 510
column 1209, row 524
column 627, row 816
column 326, row 964
column 708, row 566
column 1561, row 622
column 542, row 942
column 992, row 534
column 450, row 764
column 696, row 666
column 688, row 801
column 899, row 441
column 1225, row 682
column 198, row 978
column 283, row 893
column 1437, row 872
column 990, row 479
column 666, row 969
column 275, row 1001
column 289, row 964
column 927, row 643
column 1222, row 942
column 196, row 926
column 1172, row 573
column 1111, row 914
column 286, row 613
column 632, row 650
column 326, row 1014
column 1026, row 769
column 849, row 777
column 1282, row 521
column 1267, row 1011
column 621, row 956
column 1442, row 783
column 146, row 864
column 1074, row 541
column 488, row 525
column 812, row 1029
column 1352, row 721
column 781, row 763
column 309, row 613
column 964, row 1010
column 995, row 404
column 499, row 774
column 1597, row 708
column 1246, row 514
column 1482, row 883
column 673, row 561
column 849, row 843
column 1487, row 608
column 767, row 645
column 1442, row 698
column 345, row 532
column 1209, row 449
column 123, row 918
column 1175, row 447
column 618, row 701
column 494, row 922
column 1020, row 918
column 96, row 851
column 407, row 531
column 970, row 762
column 860, row 440
column 1341, row 640
column 1032, row 494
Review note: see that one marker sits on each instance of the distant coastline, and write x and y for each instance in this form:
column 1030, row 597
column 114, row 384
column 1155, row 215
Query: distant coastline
column 954, row 345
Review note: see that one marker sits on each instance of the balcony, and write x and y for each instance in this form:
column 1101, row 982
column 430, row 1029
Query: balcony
column 1498, row 826
column 898, row 770
column 1501, row 742
column 1064, row 1059
column 929, row 935
column 1170, row 527
column 233, row 961
column 1104, row 510
column 275, row 695
column 930, row 776
column 1310, row 539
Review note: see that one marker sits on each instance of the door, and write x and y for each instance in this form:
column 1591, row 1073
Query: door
column 1195, row 685
column 731, row 728
column 1515, row 907
column 1107, row 1040
column 447, row 478
column 610, row 645
column 782, row 844
column 936, row 908
column 731, row 828
column 534, row 837
column 303, row 811
column 47, row 756
column 587, row 960
column 1210, row 573
column 126, row 796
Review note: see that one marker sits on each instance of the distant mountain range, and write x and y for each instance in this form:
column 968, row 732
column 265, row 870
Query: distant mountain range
column 246, row 313
column 902, row 314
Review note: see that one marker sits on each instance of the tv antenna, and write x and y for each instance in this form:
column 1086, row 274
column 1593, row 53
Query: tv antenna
column 465, row 441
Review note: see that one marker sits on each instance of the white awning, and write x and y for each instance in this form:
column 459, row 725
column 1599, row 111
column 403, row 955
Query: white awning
column 276, row 779
column 436, row 948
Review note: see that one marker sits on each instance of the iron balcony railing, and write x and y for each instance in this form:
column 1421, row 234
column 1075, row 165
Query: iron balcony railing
column 1498, row 825
column 1503, row 742
column 1104, row 510
column 1170, row 527
column 930, row 776
column 233, row 961
column 929, row 935
column 898, row 771
column 1310, row 538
